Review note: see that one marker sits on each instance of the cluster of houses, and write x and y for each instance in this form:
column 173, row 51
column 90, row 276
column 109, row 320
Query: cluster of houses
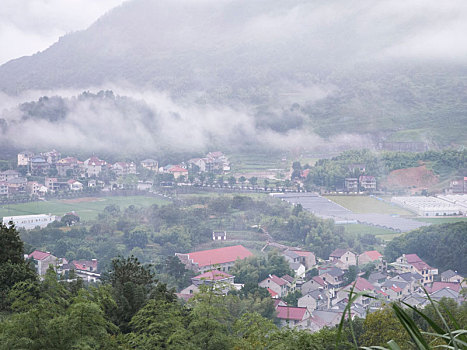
column 326, row 294
column 362, row 183
column 70, row 174
column 85, row 269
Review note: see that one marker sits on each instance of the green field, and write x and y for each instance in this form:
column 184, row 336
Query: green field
column 243, row 163
column 442, row 220
column 87, row 208
column 366, row 204
column 381, row 233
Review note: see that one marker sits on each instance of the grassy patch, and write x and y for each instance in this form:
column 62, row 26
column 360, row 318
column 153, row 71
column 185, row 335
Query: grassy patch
column 366, row 229
column 442, row 220
column 87, row 210
column 367, row 204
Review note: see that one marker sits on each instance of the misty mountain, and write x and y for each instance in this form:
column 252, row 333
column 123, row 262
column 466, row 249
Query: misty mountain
column 343, row 69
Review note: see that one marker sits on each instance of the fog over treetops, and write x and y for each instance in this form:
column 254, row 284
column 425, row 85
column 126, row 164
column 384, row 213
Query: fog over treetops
column 195, row 74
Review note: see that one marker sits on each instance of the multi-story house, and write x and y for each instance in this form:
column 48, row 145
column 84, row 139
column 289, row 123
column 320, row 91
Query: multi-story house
column 412, row 263
column 345, row 256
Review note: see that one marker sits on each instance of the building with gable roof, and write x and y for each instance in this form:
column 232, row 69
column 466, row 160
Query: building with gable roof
column 413, row 263
column 451, row 276
column 345, row 256
column 93, row 166
column 371, row 256
column 42, row 261
column 292, row 316
column 278, row 285
column 214, row 259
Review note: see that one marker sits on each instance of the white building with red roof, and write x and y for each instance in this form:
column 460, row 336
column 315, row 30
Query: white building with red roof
column 42, row 261
column 277, row 285
column 293, row 316
column 214, row 259
column 177, row 171
column 94, row 166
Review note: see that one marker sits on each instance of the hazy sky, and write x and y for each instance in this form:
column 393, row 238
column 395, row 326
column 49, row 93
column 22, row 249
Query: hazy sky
column 28, row 26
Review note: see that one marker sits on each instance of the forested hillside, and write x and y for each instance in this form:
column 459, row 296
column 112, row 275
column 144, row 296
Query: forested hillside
column 277, row 60
column 443, row 246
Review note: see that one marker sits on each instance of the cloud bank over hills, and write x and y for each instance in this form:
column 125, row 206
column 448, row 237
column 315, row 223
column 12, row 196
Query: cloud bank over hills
column 228, row 72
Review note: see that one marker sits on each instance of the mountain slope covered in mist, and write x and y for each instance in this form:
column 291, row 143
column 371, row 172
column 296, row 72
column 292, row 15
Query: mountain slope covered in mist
column 349, row 69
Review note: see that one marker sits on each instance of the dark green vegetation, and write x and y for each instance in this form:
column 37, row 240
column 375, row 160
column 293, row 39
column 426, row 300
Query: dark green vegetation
column 442, row 246
column 330, row 173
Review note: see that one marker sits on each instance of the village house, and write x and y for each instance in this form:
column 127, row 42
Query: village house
column 177, row 171
column 39, row 166
column 345, row 256
column 93, row 166
column 372, row 256
column 150, row 164
column 412, row 263
column 124, row 168
column 333, row 276
column 351, row 184
column 414, row 279
column 316, row 283
column 213, row 277
column 75, row 185
column 451, row 276
column 277, row 285
column 85, row 269
column 307, row 259
column 360, row 285
column 367, row 183
column 17, row 185
column 9, row 175
column 42, row 261
column 292, row 316
column 214, row 259
column 51, row 157
column 24, row 158
column 316, row 299
column 67, row 167
column 54, row 184
column 198, row 164
column 3, row 189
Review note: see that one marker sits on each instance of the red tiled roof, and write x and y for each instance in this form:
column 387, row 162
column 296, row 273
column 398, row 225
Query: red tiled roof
column 362, row 284
column 177, row 169
column 85, row 264
column 440, row 285
column 288, row 278
column 373, row 254
column 396, row 289
column 38, row 255
column 319, row 280
column 381, row 292
column 213, row 275
column 219, row 255
column 273, row 294
column 411, row 258
column 291, row 313
column 277, row 280
column 302, row 253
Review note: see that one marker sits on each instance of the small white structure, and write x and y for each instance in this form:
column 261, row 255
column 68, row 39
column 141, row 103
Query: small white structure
column 219, row 235
column 29, row 222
